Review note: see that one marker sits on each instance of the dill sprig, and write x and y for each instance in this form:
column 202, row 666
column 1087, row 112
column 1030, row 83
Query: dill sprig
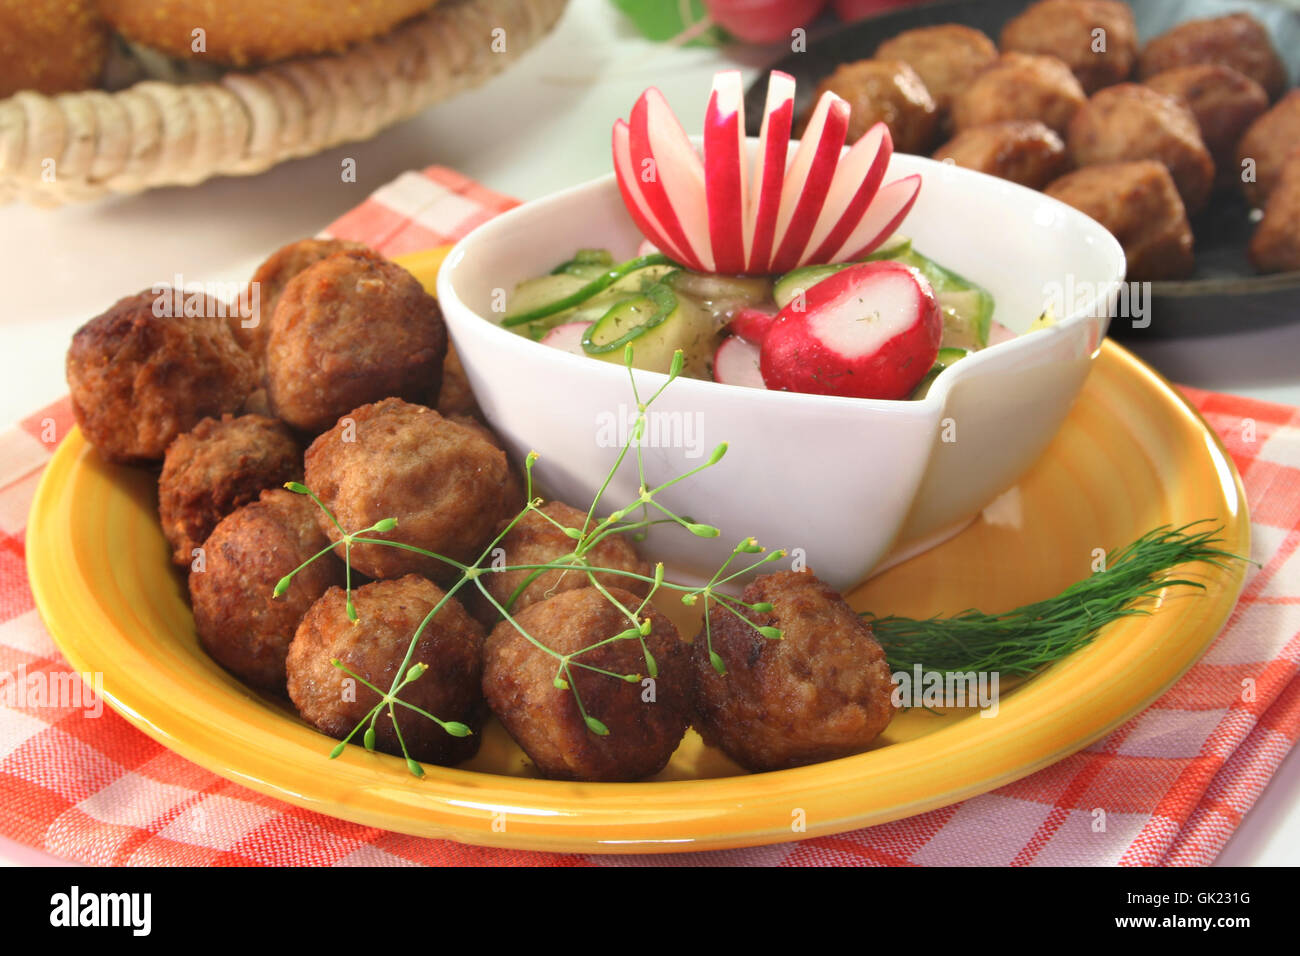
column 1019, row 642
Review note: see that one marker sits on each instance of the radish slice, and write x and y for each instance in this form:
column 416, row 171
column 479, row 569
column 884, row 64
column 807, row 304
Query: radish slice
column 724, row 164
column 764, row 201
column 887, row 210
column 672, row 180
column 647, row 248
column 736, row 363
column 630, row 188
column 809, row 180
column 567, row 337
column 869, row 331
column 857, row 180
column 999, row 333
column 751, row 324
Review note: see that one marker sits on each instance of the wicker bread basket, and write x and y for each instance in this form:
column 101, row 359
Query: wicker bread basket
column 78, row 146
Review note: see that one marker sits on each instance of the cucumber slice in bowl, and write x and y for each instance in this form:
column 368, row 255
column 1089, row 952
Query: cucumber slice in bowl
column 656, row 323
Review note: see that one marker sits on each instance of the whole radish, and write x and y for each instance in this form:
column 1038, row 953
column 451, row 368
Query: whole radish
column 869, row 331
column 763, row 21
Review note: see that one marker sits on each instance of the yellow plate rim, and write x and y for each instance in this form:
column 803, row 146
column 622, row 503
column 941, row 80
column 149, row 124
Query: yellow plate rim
column 951, row 764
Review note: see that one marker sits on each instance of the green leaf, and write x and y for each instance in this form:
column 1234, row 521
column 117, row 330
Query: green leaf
column 761, row 607
column 282, row 585
column 387, row 524
column 457, row 729
column 651, row 666
column 297, row 487
column 414, row 767
column 596, row 727
column 718, row 666
column 560, row 683
column 664, row 20
column 718, row 454
column 338, row 751
column 369, row 739
column 702, row 530
column 771, row 633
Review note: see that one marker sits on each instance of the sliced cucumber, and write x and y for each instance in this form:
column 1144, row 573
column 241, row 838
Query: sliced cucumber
column 522, row 316
column 946, row 357
column 801, row 280
column 586, row 264
column 892, row 248
column 629, row 319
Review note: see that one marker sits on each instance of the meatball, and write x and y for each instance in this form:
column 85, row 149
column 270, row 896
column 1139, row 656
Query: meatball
column 51, row 46
column 1096, row 39
column 455, row 397
column 536, row 539
column 515, row 494
column 946, row 58
column 269, row 282
column 1275, row 247
column 374, row 649
column 1020, row 86
column 1267, row 145
column 216, row 468
column 240, row 623
column 820, row 692
column 443, row 482
column 1237, row 40
column 140, row 374
column 645, row 721
column 1131, row 122
column 1139, row 204
column 351, row 329
column 884, row 91
column 1224, row 103
column 1023, row 151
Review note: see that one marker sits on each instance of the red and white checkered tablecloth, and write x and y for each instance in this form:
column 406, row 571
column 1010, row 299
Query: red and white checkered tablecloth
column 1176, row 780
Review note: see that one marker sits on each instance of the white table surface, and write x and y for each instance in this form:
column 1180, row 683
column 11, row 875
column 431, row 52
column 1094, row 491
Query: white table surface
column 541, row 126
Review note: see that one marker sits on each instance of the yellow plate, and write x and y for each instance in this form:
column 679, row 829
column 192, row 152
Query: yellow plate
column 1132, row 455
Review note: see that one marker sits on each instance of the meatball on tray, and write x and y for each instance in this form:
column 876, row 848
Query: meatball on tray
column 101, row 571
column 991, row 69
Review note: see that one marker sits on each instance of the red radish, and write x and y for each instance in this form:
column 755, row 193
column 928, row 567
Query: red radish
column 889, row 207
column 567, row 337
column 736, row 363
column 850, row 10
column 636, row 204
column 869, row 331
column 671, row 177
column 724, row 167
column 809, row 179
column 764, row 202
column 751, row 324
column 999, row 333
column 856, row 183
column 763, row 21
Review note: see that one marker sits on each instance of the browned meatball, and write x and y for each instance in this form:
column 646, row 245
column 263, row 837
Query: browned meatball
column 820, row 692
column 216, row 468
column 515, row 493
column 1237, row 40
column 1023, row 151
column 1224, row 103
column 884, row 91
column 1139, row 204
column 1275, row 247
column 51, row 46
column 1097, row 39
column 1020, row 86
column 1267, row 145
column 443, row 482
column 351, row 329
column 645, row 722
column 946, row 58
column 240, row 623
column 537, row 540
column 374, row 648
column 269, row 282
column 140, row 378
column 455, row 397
column 1130, row 122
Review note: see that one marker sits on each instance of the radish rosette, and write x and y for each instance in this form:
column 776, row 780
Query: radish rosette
column 719, row 213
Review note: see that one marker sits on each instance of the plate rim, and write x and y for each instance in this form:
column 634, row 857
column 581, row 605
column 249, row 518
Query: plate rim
column 454, row 804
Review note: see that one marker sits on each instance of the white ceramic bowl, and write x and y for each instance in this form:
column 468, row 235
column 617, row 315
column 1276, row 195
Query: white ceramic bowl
column 853, row 484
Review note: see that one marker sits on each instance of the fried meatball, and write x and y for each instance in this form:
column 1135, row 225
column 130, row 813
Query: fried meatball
column 645, row 722
column 515, row 494
column 374, row 648
column 216, row 468
column 1020, row 86
column 139, row 379
column 443, row 482
column 1139, row 204
column 51, row 46
column 1131, row 122
column 1237, row 40
column 1267, row 145
column 269, row 282
column 820, row 692
column 241, row 32
column 351, row 329
column 455, row 397
column 1068, row 29
column 1224, row 103
column 1275, row 246
column 946, row 58
column 240, row 623
column 537, row 540
column 1023, row 151
column 884, row 91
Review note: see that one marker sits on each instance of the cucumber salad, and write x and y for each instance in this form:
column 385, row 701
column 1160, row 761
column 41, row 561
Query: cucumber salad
column 592, row 306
